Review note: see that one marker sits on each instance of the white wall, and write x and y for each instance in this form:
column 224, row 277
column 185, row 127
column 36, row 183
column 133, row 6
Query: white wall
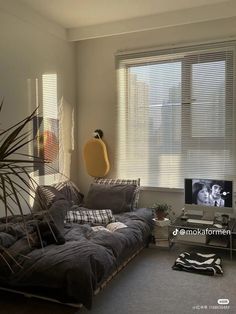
column 26, row 52
column 96, row 86
column 28, row 49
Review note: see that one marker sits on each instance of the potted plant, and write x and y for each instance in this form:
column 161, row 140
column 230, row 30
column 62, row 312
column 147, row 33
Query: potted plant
column 161, row 210
column 15, row 167
column 16, row 183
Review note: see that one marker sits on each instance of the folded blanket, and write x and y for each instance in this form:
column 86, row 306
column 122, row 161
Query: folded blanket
column 206, row 264
column 83, row 215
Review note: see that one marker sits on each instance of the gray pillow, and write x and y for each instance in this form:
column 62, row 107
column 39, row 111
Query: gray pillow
column 14, row 229
column 135, row 182
column 6, row 240
column 70, row 192
column 45, row 196
column 58, row 212
column 117, row 197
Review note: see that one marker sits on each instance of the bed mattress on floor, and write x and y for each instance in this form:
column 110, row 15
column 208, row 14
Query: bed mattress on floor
column 72, row 272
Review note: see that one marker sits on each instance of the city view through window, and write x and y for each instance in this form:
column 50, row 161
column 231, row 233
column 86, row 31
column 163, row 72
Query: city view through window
column 178, row 119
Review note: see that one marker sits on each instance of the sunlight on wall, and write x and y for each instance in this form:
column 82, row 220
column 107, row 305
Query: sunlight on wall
column 50, row 128
column 50, row 95
column 45, row 91
column 55, row 116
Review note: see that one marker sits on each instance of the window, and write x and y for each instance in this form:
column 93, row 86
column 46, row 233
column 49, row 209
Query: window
column 46, row 129
column 176, row 115
column 50, row 134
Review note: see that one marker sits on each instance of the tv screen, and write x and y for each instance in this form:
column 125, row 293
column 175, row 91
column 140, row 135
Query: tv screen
column 207, row 192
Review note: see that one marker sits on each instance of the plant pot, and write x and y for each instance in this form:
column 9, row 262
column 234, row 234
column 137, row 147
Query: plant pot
column 160, row 215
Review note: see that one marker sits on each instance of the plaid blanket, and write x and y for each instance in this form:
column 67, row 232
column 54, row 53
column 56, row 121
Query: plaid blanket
column 206, row 264
column 93, row 217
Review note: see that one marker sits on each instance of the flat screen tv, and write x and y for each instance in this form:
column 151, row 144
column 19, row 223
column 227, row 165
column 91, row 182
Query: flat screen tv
column 208, row 195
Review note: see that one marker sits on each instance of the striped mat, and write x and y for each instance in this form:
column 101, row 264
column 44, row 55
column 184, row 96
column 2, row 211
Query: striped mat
column 206, row 264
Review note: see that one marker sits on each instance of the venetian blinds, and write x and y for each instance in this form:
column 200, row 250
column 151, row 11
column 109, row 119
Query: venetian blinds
column 176, row 115
column 50, row 101
column 50, row 126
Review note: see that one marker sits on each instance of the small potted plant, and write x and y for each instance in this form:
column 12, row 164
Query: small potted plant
column 161, row 210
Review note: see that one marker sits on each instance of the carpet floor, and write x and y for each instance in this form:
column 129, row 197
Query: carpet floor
column 147, row 285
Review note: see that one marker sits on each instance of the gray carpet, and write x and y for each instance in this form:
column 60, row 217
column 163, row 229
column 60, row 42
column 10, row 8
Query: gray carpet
column 147, row 285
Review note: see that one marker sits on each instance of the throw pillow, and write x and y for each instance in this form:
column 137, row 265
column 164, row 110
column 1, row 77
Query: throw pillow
column 46, row 195
column 6, row 240
column 93, row 217
column 70, row 192
column 135, row 182
column 57, row 213
column 117, row 197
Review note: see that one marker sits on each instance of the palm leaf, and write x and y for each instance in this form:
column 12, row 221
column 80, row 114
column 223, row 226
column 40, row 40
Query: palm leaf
column 7, row 205
column 11, row 257
column 19, row 188
column 4, row 196
column 5, row 260
column 14, row 190
column 13, row 134
column 1, row 105
column 16, row 183
column 22, row 187
column 27, row 120
column 18, row 141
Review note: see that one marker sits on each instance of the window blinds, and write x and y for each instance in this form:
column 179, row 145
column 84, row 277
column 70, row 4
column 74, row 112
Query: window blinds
column 176, row 115
column 49, row 89
column 50, row 125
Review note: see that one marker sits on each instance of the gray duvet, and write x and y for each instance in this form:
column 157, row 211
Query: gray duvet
column 73, row 271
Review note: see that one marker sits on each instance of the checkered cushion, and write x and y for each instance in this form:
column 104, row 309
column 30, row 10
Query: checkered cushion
column 94, row 217
column 125, row 182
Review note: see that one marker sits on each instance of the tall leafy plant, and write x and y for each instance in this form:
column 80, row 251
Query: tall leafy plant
column 16, row 183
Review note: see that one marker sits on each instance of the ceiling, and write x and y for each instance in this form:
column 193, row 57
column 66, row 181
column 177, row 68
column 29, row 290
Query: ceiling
column 82, row 13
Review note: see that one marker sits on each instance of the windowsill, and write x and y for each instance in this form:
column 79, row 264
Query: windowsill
column 157, row 189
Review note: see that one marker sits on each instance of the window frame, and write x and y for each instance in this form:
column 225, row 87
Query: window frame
column 126, row 60
column 187, row 98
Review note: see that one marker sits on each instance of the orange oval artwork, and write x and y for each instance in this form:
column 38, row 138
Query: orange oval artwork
column 96, row 158
column 48, row 145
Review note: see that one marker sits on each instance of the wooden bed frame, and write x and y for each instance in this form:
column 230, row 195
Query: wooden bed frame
column 79, row 305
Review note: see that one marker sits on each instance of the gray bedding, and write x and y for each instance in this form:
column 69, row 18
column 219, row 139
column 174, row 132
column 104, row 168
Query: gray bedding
column 73, row 271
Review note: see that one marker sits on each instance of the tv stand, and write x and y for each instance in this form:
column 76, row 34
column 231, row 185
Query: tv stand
column 209, row 214
column 200, row 221
column 199, row 234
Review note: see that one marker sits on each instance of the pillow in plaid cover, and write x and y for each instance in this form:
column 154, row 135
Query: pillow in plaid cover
column 94, row 217
column 125, row 182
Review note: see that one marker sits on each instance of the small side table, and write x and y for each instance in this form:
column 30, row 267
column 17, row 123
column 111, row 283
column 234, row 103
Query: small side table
column 160, row 232
column 203, row 239
column 233, row 239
